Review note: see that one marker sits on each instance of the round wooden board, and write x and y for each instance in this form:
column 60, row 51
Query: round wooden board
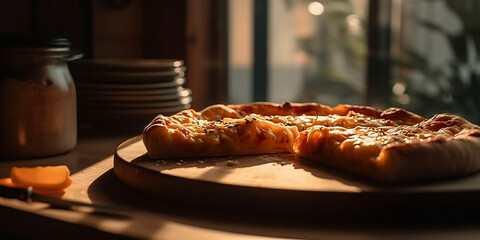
column 278, row 181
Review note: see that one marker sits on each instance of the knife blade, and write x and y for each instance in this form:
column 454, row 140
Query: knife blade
column 27, row 195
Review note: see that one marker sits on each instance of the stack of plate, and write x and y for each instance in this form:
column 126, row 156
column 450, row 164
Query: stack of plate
column 129, row 91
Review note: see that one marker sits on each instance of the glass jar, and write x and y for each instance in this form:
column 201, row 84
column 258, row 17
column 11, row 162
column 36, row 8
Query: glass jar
column 38, row 115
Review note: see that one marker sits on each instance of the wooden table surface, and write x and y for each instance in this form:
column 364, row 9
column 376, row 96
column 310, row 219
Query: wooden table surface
column 94, row 181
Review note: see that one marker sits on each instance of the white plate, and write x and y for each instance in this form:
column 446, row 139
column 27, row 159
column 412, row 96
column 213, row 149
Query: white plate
column 177, row 82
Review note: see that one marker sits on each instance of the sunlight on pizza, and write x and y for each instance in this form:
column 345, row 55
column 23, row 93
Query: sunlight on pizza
column 393, row 145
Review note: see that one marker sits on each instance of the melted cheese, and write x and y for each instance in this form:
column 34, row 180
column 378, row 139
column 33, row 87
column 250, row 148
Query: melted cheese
column 304, row 122
column 352, row 136
column 190, row 137
column 360, row 142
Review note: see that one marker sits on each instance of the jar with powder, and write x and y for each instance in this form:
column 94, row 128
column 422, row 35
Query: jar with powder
column 38, row 115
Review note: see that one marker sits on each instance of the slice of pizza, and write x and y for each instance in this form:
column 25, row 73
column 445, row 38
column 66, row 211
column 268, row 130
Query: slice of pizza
column 445, row 145
column 179, row 137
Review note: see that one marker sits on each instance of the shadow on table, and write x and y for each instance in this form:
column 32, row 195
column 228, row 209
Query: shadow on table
column 339, row 214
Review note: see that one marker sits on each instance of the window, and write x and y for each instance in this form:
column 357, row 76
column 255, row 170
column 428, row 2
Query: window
column 421, row 55
column 315, row 51
column 435, row 56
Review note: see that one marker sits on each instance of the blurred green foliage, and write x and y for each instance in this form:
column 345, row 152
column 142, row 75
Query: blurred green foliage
column 455, row 86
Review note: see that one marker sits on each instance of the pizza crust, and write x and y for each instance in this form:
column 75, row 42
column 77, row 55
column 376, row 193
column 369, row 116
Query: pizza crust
column 217, row 112
column 286, row 108
column 432, row 160
column 312, row 109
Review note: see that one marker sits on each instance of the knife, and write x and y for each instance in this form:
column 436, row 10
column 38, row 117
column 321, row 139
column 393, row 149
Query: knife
column 27, row 195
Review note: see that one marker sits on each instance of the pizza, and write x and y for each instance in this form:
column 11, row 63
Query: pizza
column 392, row 145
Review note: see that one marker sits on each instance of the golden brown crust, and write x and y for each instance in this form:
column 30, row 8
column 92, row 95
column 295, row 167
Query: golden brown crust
column 452, row 123
column 296, row 109
column 286, row 108
column 395, row 114
column 344, row 109
column 217, row 112
column 401, row 115
column 431, row 160
column 455, row 156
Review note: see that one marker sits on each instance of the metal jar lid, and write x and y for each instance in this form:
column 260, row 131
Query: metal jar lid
column 59, row 47
column 21, row 41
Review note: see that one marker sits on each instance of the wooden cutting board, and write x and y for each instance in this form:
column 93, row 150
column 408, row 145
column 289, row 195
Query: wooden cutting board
column 278, row 181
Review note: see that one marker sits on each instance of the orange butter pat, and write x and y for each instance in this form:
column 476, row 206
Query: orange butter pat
column 43, row 179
